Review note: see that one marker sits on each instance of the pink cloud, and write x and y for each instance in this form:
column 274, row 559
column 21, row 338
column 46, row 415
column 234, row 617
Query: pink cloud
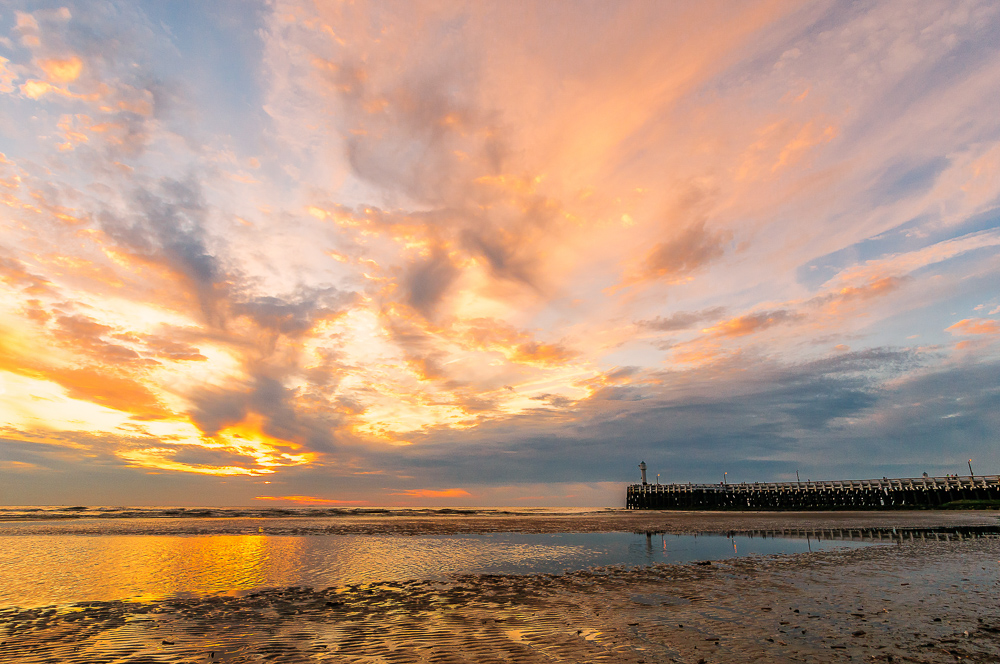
column 434, row 493
column 310, row 500
column 975, row 326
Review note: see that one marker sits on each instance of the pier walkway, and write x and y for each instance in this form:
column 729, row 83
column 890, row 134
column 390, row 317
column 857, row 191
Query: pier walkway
column 884, row 494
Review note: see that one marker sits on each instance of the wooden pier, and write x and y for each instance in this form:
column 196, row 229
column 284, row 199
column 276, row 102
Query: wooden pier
column 885, row 494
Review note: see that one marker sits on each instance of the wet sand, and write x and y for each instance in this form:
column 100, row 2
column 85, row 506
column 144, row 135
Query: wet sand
column 912, row 602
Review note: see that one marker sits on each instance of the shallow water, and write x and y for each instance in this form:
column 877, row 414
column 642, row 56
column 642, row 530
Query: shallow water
column 38, row 570
column 102, row 554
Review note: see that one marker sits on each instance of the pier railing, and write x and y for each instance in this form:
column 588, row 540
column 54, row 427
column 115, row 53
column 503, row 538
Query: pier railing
column 905, row 493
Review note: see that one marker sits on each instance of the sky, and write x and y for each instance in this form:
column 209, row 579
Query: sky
column 442, row 253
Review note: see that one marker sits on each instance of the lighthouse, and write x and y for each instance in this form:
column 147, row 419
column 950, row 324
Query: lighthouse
column 642, row 467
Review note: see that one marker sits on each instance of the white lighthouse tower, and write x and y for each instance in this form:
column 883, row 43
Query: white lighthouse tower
column 642, row 467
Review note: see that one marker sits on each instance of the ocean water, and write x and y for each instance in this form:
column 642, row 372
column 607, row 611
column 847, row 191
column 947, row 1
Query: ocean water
column 68, row 555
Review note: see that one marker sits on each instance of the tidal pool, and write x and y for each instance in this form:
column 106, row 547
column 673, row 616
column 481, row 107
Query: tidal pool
column 38, row 570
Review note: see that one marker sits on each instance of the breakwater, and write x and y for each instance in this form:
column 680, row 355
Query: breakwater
column 884, row 494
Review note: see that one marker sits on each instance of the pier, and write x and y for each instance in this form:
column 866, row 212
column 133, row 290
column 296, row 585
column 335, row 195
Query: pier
column 885, row 494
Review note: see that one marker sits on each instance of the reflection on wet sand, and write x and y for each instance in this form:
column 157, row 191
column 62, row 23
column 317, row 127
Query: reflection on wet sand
column 156, row 566
column 921, row 602
column 41, row 570
column 46, row 569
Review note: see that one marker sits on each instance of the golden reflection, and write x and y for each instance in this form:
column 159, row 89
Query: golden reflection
column 148, row 567
column 142, row 567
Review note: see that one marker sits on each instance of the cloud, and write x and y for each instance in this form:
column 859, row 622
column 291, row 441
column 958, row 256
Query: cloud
column 975, row 326
column 169, row 349
column 674, row 260
column 15, row 273
column 297, row 314
column 534, row 352
column 105, row 387
column 217, row 409
column 167, row 226
column 682, row 320
column 516, row 345
column 64, row 70
column 752, row 323
column 309, row 500
column 434, row 493
column 427, row 280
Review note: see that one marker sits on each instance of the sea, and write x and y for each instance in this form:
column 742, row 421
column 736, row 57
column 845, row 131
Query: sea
column 65, row 555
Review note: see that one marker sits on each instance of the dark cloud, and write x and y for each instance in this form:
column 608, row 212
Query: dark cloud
column 285, row 419
column 621, row 374
column 421, row 134
column 196, row 455
column 507, row 254
column 828, row 418
column 427, row 280
column 296, row 314
column 215, row 409
column 554, row 400
column 167, row 226
column 284, row 415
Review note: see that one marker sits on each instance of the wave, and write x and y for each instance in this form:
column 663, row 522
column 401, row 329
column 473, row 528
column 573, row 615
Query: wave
column 39, row 513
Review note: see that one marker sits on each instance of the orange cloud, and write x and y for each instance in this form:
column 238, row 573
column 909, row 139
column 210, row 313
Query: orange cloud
column 782, row 144
column 876, row 288
column 488, row 334
column 810, row 135
column 62, row 71
column 434, row 493
column 541, row 353
column 35, row 89
column 701, row 351
column 109, row 386
column 839, row 302
column 751, row 323
column 15, row 273
column 975, row 326
column 7, row 77
column 310, row 500
column 108, row 390
column 674, row 260
column 251, row 437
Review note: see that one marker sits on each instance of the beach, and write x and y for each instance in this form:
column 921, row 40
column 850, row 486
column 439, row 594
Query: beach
column 920, row 601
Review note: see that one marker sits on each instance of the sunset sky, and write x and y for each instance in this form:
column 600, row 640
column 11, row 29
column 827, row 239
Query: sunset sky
column 436, row 253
